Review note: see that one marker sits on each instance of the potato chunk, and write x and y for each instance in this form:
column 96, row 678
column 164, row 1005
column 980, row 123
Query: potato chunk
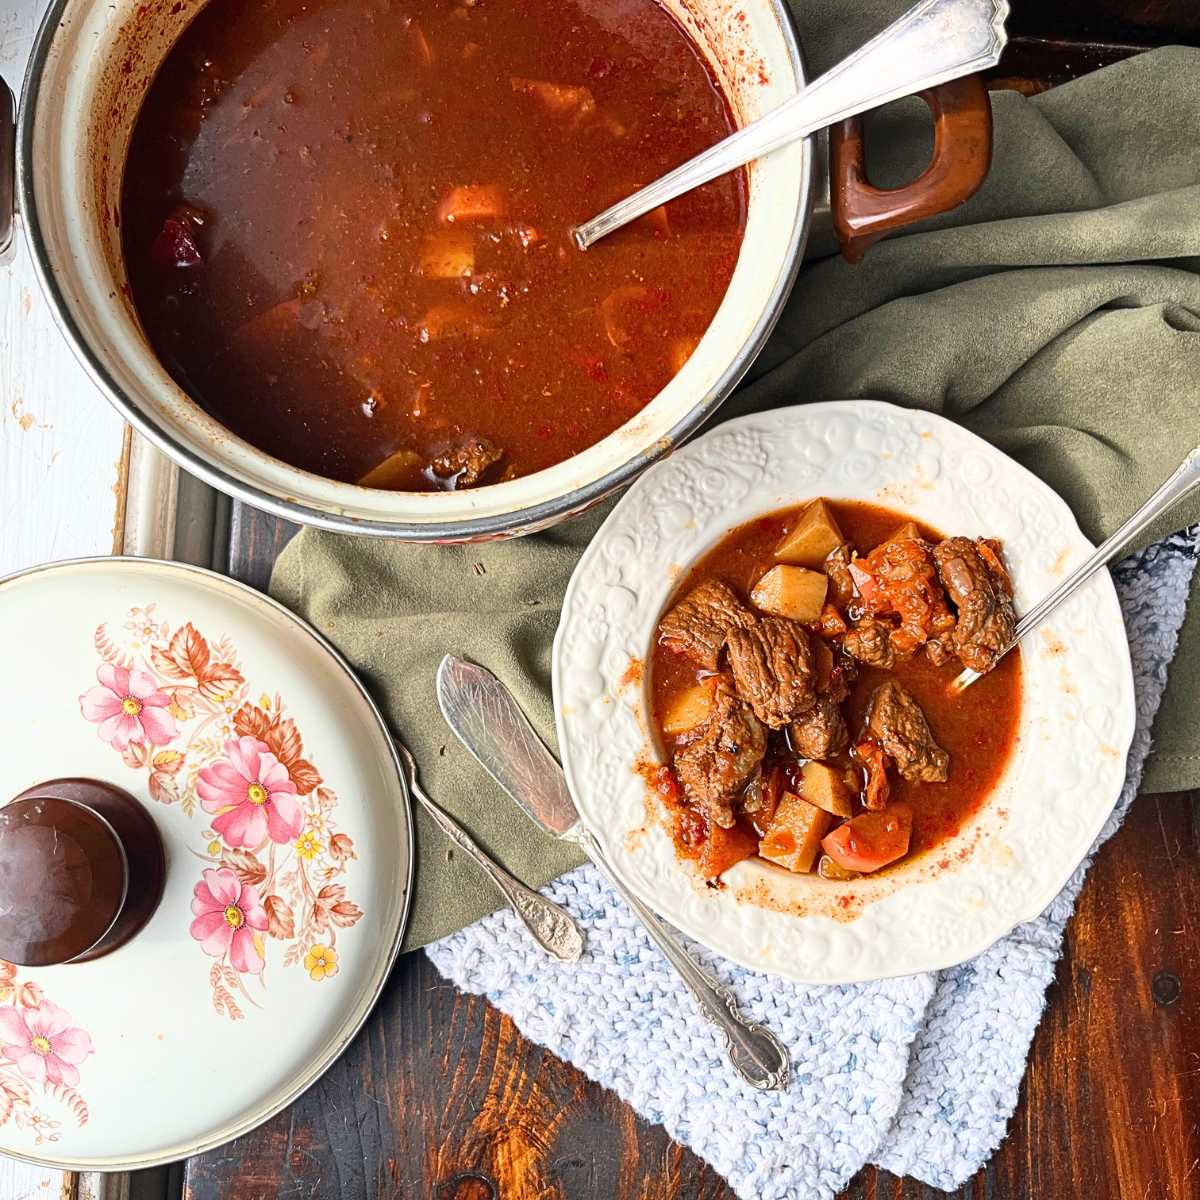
column 560, row 99
column 453, row 319
column 395, row 471
column 794, row 592
column 724, row 847
column 448, row 254
column 825, row 787
column 815, row 535
column 679, row 351
column 794, row 839
column 472, row 202
column 687, row 710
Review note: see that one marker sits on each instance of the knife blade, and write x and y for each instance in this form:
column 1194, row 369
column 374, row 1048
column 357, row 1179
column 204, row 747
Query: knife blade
column 488, row 721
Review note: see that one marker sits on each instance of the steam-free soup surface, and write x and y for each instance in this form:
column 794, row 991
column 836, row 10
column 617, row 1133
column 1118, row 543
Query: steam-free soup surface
column 346, row 226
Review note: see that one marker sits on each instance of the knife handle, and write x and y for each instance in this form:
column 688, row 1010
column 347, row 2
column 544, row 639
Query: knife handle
column 552, row 927
column 756, row 1054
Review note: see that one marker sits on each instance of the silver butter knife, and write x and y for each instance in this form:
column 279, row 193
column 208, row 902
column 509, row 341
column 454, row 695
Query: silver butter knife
column 487, row 720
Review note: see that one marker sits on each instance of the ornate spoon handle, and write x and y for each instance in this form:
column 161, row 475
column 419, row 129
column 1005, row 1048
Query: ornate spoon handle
column 552, row 927
column 756, row 1054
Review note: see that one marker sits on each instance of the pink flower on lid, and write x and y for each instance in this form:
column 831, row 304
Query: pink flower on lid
column 43, row 1043
column 128, row 707
column 253, row 795
column 229, row 917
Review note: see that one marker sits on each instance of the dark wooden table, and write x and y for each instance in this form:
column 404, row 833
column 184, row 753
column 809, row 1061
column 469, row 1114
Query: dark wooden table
column 441, row 1098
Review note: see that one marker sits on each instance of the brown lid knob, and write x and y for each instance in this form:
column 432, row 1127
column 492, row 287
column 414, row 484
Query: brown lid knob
column 81, row 870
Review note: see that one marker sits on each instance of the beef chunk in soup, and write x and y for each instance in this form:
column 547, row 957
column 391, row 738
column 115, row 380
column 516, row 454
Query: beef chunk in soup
column 719, row 761
column 697, row 625
column 837, row 569
column 466, row 464
column 896, row 722
column 820, row 732
column 978, row 583
column 773, row 668
column 940, row 649
column 870, row 642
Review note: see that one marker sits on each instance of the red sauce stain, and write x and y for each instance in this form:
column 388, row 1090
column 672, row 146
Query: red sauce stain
column 633, row 672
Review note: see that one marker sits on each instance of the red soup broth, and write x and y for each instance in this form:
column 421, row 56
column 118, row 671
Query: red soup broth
column 347, row 225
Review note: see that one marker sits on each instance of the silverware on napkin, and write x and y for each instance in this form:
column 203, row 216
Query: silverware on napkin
column 552, row 927
column 487, row 720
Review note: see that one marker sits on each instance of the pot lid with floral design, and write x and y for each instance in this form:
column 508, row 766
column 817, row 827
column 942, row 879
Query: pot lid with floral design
column 273, row 783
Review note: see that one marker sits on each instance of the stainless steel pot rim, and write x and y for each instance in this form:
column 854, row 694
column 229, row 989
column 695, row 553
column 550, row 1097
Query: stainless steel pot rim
column 500, row 524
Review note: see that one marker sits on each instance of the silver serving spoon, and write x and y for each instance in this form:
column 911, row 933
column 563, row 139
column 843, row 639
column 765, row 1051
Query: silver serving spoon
column 932, row 43
column 1183, row 480
column 552, row 927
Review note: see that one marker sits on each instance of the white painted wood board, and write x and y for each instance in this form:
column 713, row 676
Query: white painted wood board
column 61, row 443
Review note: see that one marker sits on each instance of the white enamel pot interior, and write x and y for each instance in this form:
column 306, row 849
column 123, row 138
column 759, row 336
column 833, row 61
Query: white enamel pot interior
column 90, row 68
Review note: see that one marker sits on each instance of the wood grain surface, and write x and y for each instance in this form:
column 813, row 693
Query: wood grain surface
column 441, row 1097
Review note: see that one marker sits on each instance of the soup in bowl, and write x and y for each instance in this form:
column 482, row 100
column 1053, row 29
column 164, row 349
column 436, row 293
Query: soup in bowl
column 347, row 226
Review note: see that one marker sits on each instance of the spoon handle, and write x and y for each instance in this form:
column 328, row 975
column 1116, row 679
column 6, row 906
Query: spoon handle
column 552, row 927
column 935, row 41
column 755, row 1052
column 1182, row 480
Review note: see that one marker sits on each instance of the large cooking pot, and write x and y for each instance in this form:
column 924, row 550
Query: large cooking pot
column 90, row 68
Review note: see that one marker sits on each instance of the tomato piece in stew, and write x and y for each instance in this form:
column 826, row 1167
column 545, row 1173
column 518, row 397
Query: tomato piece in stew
column 347, row 227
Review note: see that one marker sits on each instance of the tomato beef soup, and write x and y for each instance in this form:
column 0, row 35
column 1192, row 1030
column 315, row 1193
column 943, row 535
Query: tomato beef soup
column 347, row 227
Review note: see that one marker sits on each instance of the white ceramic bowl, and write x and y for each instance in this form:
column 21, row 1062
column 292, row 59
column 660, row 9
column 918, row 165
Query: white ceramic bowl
column 1077, row 716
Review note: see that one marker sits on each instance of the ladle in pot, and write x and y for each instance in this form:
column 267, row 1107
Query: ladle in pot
column 934, row 42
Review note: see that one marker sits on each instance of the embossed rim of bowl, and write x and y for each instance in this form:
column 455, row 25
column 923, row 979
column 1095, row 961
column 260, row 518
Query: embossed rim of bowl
column 1051, row 801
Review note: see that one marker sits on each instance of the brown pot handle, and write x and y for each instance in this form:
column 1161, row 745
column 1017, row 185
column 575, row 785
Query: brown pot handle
column 962, row 154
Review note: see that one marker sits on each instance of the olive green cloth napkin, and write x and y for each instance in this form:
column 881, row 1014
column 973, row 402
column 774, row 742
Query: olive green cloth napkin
column 1057, row 314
